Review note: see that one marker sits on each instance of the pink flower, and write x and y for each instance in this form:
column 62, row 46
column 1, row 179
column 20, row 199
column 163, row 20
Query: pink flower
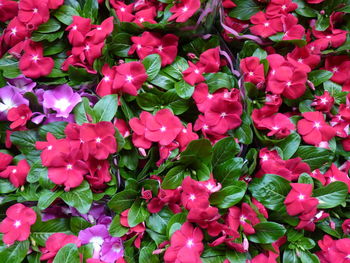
column 163, row 127
column 98, row 140
column 185, row 245
column 291, row 28
column 209, row 60
column 194, row 74
column 152, row 43
column 184, row 10
column 299, row 200
column 334, row 250
column 145, row 15
column 253, row 70
column 314, row 129
column 129, row 78
column 339, row 66
column 99, row 33
column 33, row 12
column 19, row 116
column 186, row 136
column 17, row 174
column 244, row 217
column 330, row 37
column 123, row 11
column 16, row 225
column 303, row 58
column 278, row 124
column 32, row 63
column 15, row 32
column 346, row 226
column 78, row 30
column 99, row 174
column 263, row 26
column 193, row 194
column 280, row 7
column 5, row 160
column 8, row 10
column 324, row 102
column 54, row 243
column 334, row 174
column 139, row 128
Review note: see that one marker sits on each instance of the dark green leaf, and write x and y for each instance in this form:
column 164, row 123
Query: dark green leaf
column 82, row 111
column 47, row 197
column 224, row 150
column 331, row 195
column 116, row 229
column 317, row 77
column 174, row 177
column 67, row 254
column 152, row 64
column 122, row 200
column 65, row 14
column 267, row 232
column 230, row 195
column 244, row 9
column 80, row 197
column 6, row 187
column 50, row 26
column 15, row 253
column 289, row 145
column 55, row 128
column 90, row 9
column 183, row 89
column 228, row 171
column 106, row 108
column 148, row 101
column 315, row 157
column 138, row 213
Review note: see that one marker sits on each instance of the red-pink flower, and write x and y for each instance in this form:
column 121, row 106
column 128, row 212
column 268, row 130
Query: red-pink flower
column 152, row 43
column 19, row 116
column 253, row 70
column 244, row 217
column 15, row 32
column 99, row 33
column 278, row 124
column 194, row 194
column 5, row 160
column 299, row 200
column 314, row 128
column 334, row 250
column 329, row 38
column 209, row 60
column 346, row 227
column 292, row 30
column 183, row 10
column 334, row 174
column 324, row 102
column 193, row 74
column 145, row 15
column 17, row 174
column 265, row 27
column 139, row 128
column 186, row 136
column 163, row 127
column 185, row 245
column 303, row 58
column 16, row 225
column 54, row 243
column 288, row 81
column 78, row 30
column 339, row 66
column 8, row 10
column 98, row 140
column 33, row 64
column 99, row 173
column 280, row 7
column 123, row 11
column 33, row 12
column 129, row 78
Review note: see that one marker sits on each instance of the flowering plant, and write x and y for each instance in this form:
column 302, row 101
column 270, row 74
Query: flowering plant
column 187, row 131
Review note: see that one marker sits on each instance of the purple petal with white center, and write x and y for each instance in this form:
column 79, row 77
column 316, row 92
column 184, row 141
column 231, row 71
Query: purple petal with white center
column 112, row 250
column 62, row 99
column 9, row 99
column 95, row 234
column 21, row 84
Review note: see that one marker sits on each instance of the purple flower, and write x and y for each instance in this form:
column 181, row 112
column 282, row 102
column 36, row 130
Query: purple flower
column 21, row 84
column 9, row 99
column 106, row 248
column 112, row 249
column 62, row 99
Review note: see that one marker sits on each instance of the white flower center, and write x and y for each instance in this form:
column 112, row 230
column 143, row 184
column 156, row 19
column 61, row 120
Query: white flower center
column 62, row 104
column 163, row 129
column 69, row 167
column 160, row 48
column 13, row 31
column 266, row 24
column 74, row 27
column 251, row 73
column 17, row 223
column 129, row 78
column 265, row 158
column 288, row 84
column 210, row 96
column 49, row 147
column 14, row 171
column 185, row 9
column 35, row 58
column 196, row 71
column 106, row 78
column 223, row 115
column 190, row 243
column 192, row 197
column 317, row 125
column 35, row 10
column 122, row 9
column 275, row 128
column 97, row 240
column 301, row 197
column 242, row 218
column 300, row 60
column 284, row 7
column 98, row 140
column 335, row 69
column 324, row 100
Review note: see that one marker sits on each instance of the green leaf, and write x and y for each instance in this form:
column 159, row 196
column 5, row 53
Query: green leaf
column 148, row 101
column 290, row 256
column 322, row 22
column 174, row 177
column 229, row 195
column 67, row 254
column 176, row 68
column 260, row 53
column 6, row 187
column 80, row 198
column 152, row 64
column 289, row 145
column 116, row 229
column 77, row 223
column 174, row 102
column 47, row 197
column 236, row 257
column 55, row 128
column 219, row 80
column 308, row 257
column 224, row 150
column 120, row 45
column 36, row 171
column 175, row 223
column 331, row 195
column 158, row 222
column 106, row 108
column 15, row 253
column 147, row 256
column 40, row 231
column 228, row 171
column 90, row 9
column 138, row 213
column 306, row 11
column 81, row 112
column 50, row 26
column 200, row 149
column 335, row 90
column 79, row 75
column 164, row 81
column 183, row 89
column 305, row 178
column 37, row 36
column 315, row 157
column 317, row 77
column 270, row 190
column 244, row 9
column 267, row 232
column 122, row 200
column 65, row 14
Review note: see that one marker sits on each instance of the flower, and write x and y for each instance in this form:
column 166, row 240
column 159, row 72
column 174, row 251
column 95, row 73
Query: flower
column 54, row 243
column 163, row 127
column 94, row 235
column 244, row 217
column 193, row 74
column 8, row 10
column 346, row 226
column 112, row 250
column 193, row 194
column 253, row 70
column 98, row 140
column 19, row 116
column 314, row 129
column 78, row 30
column 33, row 12
column 185, row 245
column 139, row 128
column 17, row 174
column 62, row 99
column 299, row 200
column 280, row 7
column 183, row 10
column 5, row 160
column 324, row 102
column 21, row 84
column 10, row 99
column 32, row 63
column 334, row 174
column 263, row 26
column 278, row 124
column 16, row 225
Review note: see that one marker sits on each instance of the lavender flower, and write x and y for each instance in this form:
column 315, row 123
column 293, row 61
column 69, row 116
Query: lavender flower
column 106, row 248
column 21, row 84
column 9, row 99
column 62, row 99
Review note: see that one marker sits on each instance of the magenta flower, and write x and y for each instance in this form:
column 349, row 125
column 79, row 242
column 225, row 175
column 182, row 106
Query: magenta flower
column 21, row 84
column 10, row 98
column 62, row 99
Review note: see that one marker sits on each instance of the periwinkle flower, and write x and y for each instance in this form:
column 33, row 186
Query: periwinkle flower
column 21, row 84
column 10, row 98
